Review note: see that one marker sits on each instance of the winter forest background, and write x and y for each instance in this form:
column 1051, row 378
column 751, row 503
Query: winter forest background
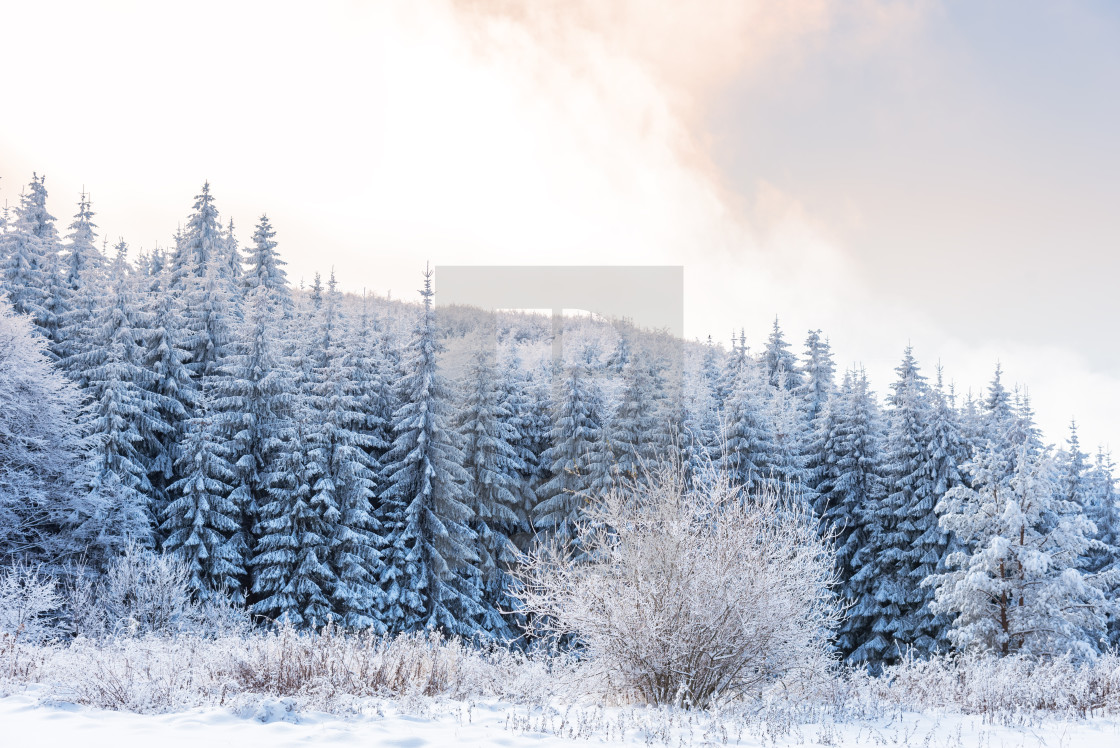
column 315, row 456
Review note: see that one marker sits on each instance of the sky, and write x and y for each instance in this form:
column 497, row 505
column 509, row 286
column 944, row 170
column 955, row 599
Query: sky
column 935, row 174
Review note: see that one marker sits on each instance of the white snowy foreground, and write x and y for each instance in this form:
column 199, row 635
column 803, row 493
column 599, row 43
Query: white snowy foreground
column 28, row 718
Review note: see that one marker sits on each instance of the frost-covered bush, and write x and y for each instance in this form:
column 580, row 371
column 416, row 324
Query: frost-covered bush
column 26, row 597
column 1002, row 687
column 146, row 593
column 327, row 670
column 683, row 595
column 41, row 445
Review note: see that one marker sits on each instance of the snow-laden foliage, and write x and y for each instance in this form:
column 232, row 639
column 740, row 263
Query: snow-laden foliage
column 1016, row 586
column 687, row 595
column 41, row 447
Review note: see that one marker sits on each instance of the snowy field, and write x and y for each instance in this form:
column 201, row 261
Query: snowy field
column 29, row 718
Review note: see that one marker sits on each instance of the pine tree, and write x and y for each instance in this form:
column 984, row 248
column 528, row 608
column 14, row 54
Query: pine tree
column 82, row 254
column 43, row 452
column 634, row 432
column 266, row 268
column 1015, row 587
column 779, row 363
column 292, row 579
column 894, row 563
column 818, row 374
column 747, row 438
column 126, row 419
column 253, row 397
column 849, row 486
column 232, row 254
column 425, row 509
column 207, row 321
column 201, row 245
column 27, row 251
column 164, row 358
column 573, row 458
column 497, row 473
column 201, row 519
column 344, row 480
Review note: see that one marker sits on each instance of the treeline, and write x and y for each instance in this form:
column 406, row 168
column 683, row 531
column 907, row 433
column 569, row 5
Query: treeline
column 317, row 456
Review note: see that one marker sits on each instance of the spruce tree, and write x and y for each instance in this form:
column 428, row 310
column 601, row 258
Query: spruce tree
column 426, row 515
column 574, row 457
column 82, row 254
column 253, row 396
column 200, row 520
column 497, row 472
column 266, row 268
column 1015, row 587
column 747, row 439
column 201, row 244
column 126, row 421
column 779, row 364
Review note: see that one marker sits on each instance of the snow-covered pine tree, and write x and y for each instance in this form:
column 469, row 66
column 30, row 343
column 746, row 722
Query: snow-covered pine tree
column 343, row 477
column 1072, row 466
column 292, row 579
column 26, row 250
column 425, row 510
column 636, row 424
column 498, row 474
column 747, row 440
column 207, row 320
column 200, row 520
column 849, row 483
column 266, row 268
column 163, row 356
column 786, row 460
column 818, row 375
column 947, row 452
column 231, row 251
column 82, row 254
column 201, row 244
column 43, row 461
column 778, row 362
column 574, row 456
column 892, row 562
column 1015, row 587
column 253, row 395
column 126, row 417
column 1104, row 557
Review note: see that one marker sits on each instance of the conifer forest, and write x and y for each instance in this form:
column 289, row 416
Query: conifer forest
column 313, row 457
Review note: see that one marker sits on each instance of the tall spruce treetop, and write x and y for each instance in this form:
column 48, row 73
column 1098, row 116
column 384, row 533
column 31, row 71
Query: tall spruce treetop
column 266, row 268
column 818, row 375
column 425, row 503
column 27, row 253
column 202, row 241
column 779, row 363
column 232, row 253
column 82, row 254
column 900, row 548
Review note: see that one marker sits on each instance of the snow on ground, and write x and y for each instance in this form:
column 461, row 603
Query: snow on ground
column 28, row 719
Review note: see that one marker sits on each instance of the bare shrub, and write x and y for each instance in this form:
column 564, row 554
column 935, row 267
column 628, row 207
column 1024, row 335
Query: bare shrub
column 26, row 599
column 684, row 596
column 146, row 593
